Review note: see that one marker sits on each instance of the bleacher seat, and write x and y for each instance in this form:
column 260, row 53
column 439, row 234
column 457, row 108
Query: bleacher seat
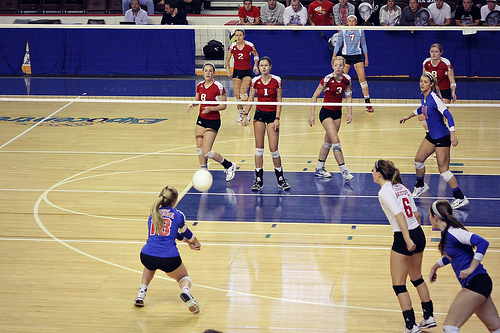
column 29, row 5
column 75, row 5
column 96, row 6
column 51, row 5
column 114, row 6
column 9, row 6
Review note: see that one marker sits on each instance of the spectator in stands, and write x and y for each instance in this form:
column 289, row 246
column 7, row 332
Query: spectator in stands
column 249, row 14
column 490, row 6
column 493, row 18
column 271, row 13
column 191, row 6
column 148, row 3
column 295, row 14
column 425, row 3
column 422, row 17
column 408, row 14
column 136, row 14
column 341, row 11
column 368, row 12
column 467, row 14
column 320, row 12
column 440, row 13
column 173, row 15
column 391, row 13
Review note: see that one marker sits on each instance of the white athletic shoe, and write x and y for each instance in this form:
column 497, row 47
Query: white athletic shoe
column 347, row 176
column 230, row 172
column 457, row 203
column 415, row 329
column 189, row 300
column 241, row 115
column 139, row 299
column 428, row 323
column 322, row 173
column 417, row 191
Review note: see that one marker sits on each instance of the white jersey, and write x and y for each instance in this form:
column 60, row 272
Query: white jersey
column 395, row 199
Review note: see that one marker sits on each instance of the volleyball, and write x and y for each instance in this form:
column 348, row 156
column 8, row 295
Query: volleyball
column 202, row 180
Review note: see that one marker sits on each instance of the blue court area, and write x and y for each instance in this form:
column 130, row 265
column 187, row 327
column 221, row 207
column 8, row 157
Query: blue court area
column 315, row 200
column 382, row 88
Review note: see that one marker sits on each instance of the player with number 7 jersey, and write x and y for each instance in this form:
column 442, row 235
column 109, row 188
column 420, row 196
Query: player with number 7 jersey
column 408, row 245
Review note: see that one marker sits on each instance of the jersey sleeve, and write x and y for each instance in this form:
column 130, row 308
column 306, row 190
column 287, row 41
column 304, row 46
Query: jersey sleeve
column 481, row 245
column 340, row 38
column 183, row 229
column 389, row 200
column 363, row 42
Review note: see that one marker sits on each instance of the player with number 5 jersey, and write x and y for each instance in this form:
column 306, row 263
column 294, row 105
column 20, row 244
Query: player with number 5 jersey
column 408, row 245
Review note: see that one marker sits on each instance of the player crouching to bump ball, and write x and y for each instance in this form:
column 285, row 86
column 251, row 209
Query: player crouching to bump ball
column 438, row 139
column 208, row 122
column 165, row 224
column 334, row 85
column 408, row 246
column 268, row 88
column 457, row 246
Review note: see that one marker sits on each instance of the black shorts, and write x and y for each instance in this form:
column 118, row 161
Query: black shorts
column 266, row 117
column 208, row 123
column 240, row 74
column 445, row 141
column 480, row 284
column 165, row 264
column 417, row 236
column 325, row 113
column 446, row 93
column 353, row 59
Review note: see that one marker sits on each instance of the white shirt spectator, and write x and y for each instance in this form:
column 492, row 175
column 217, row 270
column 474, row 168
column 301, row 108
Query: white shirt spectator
column 389, row 18
column 485, row 11
column 440, row 15
column 293, row 16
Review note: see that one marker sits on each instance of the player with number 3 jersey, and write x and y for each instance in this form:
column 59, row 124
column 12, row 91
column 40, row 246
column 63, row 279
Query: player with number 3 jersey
column 408, row 245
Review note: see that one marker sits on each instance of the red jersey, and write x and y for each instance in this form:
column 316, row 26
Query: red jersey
column 321, row 12
column 334, row 90
column 242, row 57
column 440, row 72
column 249, row 17
column 267, row 92
column 211, row 93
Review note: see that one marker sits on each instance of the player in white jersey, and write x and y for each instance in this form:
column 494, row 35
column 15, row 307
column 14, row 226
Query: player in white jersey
column 408, row 246
column 457, row 247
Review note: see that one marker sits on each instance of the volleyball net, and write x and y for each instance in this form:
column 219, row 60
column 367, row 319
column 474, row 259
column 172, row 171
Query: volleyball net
column 162, row 64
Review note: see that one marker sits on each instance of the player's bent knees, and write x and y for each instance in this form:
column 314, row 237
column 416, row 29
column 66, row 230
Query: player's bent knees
column 447, row 175
column 399, row 289
column 419, row 165
column 210, row 154
column 417, row 282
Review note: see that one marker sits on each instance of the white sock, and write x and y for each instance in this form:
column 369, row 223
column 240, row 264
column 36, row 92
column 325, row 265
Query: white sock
column 143, row 287
column 320, row 165
column 450, row 329
column 343, row 168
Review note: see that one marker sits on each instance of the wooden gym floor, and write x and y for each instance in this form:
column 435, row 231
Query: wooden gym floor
column 75, row 197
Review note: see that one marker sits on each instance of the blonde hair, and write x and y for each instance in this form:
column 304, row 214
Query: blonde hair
column 433, row 80
column 339, row 58
column 167, row 198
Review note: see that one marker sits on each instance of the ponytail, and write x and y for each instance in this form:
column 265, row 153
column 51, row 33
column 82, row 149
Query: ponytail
column 442, row 209
column 167, row 198
column 388, row 171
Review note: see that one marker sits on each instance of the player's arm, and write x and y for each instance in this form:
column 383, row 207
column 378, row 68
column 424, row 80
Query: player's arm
column 191, row 105
column 348, row 99
column 279, row 96
column 453, row 84
column 228, row 63
column 314, row 99
column 411, row 115
column 451, row 125
column 255, row 61
column 248, row 107
column 410, row 245
column 218, row 107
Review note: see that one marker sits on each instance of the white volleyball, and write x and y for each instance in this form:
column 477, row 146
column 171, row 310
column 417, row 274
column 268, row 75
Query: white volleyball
column 202, row 180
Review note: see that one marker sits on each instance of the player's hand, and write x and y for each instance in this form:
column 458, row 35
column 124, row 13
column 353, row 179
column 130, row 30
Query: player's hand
column 312, row 120
column 276, row 125
column 349, row 118
column 465, row 273
column 195, row 244
column 402, row 120
column 454, row 97
column 244, row 121
column 433, row 275
column 366, row 62
column 410, row 245
column 207, row 109
column 228, row 72
column 189, row 108
column 454, row 139
column 256, row 70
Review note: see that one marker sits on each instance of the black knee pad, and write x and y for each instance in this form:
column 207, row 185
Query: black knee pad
column 417, row 282
column 399, row 289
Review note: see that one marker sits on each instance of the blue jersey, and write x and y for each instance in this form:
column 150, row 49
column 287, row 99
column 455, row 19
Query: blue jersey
column 351, row 41
column 163, row 245
column 458, row 250
column 434, row 109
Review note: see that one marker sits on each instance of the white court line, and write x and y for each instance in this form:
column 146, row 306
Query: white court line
column 38, row 123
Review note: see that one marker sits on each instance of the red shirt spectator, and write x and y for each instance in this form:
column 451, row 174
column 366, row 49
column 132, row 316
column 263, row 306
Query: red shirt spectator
column 320, row 12
column 248, row 14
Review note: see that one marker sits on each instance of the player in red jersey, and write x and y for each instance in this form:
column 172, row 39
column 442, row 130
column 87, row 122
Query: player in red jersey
column 249, row 14
column 442, row 69
column 334, row 85
column 208, row 122
column 242, row 51
column 320, row 12
column 268, row 88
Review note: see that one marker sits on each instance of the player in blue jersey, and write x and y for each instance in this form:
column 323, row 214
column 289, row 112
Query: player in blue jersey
column 409, row 243
column 353, row 43
column 165, row 224
column 438, row 139
column 457, row 247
